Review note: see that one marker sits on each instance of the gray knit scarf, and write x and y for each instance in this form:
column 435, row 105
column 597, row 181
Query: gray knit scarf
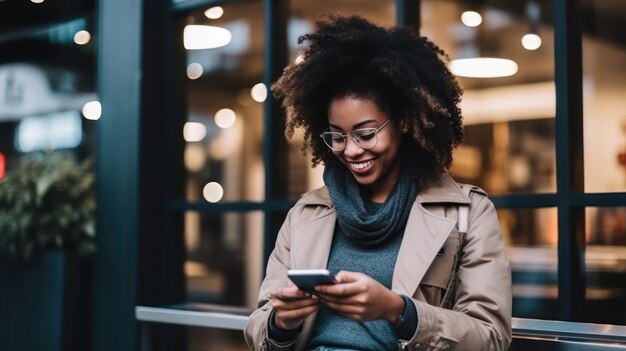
column 369, row 225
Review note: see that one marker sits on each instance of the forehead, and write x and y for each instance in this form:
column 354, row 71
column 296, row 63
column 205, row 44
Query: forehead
column 353, row 112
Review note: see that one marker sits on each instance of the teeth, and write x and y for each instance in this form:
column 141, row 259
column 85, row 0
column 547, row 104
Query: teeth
column 359, row 166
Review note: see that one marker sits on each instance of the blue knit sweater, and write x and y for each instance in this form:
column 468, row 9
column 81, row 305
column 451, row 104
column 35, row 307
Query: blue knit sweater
column 333, row 329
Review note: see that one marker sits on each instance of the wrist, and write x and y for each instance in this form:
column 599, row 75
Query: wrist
column 397, row 306
column 284, row 326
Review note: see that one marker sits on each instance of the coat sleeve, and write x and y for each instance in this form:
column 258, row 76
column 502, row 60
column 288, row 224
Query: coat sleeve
column 480, row 318
column 256, row 331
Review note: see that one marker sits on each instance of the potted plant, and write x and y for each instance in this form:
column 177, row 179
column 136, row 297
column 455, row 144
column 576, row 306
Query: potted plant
column 47, row 234
column 47, row 203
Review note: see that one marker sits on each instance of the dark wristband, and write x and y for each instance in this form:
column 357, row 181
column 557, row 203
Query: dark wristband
column 407, row 321
column 281, row 335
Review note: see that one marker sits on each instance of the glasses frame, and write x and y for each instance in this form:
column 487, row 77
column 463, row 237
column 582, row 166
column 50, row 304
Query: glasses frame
column 353, row 137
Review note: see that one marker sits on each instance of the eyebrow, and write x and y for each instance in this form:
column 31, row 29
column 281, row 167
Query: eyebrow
column 356, row 126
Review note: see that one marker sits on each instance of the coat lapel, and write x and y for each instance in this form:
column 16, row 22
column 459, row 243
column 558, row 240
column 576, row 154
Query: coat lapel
column 310, row 247
column 424, row 235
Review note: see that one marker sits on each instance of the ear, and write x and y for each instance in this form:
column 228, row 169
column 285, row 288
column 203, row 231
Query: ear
column 404, row 127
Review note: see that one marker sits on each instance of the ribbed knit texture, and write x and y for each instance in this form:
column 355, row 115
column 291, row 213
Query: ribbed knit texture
column 333, row 329
column 369, row 228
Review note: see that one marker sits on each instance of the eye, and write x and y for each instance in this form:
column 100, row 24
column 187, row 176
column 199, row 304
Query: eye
column 336, row 137
column 365, row 134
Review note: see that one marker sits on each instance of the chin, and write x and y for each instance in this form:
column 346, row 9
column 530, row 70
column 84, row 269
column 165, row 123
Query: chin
column 365, row 180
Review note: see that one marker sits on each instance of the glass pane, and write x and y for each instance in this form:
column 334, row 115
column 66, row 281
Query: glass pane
column 224, row 129
column 301, row 177
column 531, row 239
column 48, row 100
column 605, row 262
column 604, row 88
column 508, row 157
column 510, row 115
column 224, row 257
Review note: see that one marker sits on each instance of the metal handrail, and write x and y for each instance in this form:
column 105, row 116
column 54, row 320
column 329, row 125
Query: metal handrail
column 236, row 318
column 569, row 330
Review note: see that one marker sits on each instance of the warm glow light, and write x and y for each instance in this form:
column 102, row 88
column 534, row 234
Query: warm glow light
column 205, row 37
column 213, row 192
column 92, row 110
column 483, row 67
column 471, row 18
column 194, row 70
column 531, row 41
column 82, row 37
column 194, row 131
column 259, row 92
column 225, row 118
column 36, row 1
column 214, row 12
column 195, row 157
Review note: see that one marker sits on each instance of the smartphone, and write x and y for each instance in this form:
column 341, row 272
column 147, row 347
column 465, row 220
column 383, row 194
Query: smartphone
column 308, row 279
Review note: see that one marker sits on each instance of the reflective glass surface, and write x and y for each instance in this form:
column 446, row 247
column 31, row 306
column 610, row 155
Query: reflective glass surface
column 531, row 238
column 508, row 105
column 48, row 100
column 224, row 262
column 605, row 262
column 223, row 133
column 604, row 88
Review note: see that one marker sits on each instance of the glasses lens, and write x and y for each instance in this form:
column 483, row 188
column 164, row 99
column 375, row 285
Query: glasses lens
column 366, row 138
column 334, row 140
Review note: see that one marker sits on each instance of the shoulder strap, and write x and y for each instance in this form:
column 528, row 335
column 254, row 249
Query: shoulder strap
column 463, row 220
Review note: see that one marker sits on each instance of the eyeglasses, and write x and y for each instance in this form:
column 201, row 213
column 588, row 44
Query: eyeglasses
column 365, row 138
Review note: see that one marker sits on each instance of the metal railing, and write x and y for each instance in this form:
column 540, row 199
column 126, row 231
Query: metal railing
column 569, row 335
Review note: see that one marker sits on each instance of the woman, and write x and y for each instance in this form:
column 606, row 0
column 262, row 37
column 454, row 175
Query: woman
column 419, row 258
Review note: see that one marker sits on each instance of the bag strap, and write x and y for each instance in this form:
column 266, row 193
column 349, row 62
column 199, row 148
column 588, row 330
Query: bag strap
column 463, row 220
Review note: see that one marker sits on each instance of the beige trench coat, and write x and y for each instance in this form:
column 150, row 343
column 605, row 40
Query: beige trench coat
column 469, row 310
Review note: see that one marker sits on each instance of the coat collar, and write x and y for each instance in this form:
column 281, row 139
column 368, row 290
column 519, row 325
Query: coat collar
column 442, row 190
column 425, row 233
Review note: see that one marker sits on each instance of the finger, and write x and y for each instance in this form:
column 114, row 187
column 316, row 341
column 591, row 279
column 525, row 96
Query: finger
column 349, row 300
column 290, row 293
column 342, row 289
column 278, row 304
column 297, row 314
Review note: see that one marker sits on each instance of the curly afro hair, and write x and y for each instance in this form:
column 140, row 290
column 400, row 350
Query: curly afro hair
column 403, row 73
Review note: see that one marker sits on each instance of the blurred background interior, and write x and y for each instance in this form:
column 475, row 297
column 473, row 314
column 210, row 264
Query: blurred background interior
column 209, row 159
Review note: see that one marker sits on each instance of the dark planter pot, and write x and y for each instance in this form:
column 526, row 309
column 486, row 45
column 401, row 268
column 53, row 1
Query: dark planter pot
column 45, row 303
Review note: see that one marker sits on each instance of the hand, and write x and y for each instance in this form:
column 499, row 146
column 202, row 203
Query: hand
column 291, row 306
column 361, row 298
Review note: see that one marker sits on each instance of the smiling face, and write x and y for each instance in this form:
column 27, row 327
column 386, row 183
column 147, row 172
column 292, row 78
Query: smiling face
column 377, row 168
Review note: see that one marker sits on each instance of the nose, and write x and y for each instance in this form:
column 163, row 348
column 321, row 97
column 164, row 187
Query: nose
column 352, row 148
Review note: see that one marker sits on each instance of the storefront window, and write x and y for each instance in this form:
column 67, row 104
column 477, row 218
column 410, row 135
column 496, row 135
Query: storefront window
column 48, row 102
column 224, row 257
column 531, row 238
column 604, row 86
column 605, row 262
column 223, row 133
column 509, row 104
column 509, row 107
